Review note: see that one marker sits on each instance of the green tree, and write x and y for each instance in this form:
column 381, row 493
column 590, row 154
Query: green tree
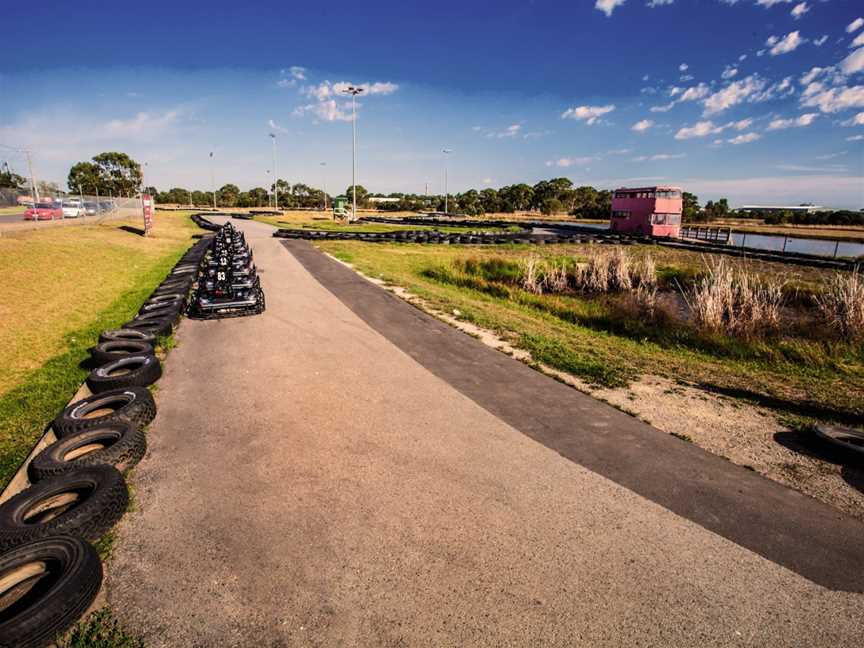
column 690, row 208
column 9, row 180
column 259, row 197
column 87, row 178
column 228, row 195
column 121, row 173
column 490, row 201
column 551, row 206
column 201, row 198
column 362, row 195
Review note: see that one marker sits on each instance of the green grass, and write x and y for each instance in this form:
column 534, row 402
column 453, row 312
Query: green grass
column 63, row 334
column 600, row 340
column 99, row 630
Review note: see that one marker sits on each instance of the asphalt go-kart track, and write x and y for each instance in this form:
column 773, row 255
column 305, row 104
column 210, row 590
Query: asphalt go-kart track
column 343, row 469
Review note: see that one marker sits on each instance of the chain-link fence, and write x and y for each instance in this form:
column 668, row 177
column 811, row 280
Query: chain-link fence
column 19, row 205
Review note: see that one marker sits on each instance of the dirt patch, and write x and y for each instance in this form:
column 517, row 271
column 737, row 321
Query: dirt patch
column 743, row 433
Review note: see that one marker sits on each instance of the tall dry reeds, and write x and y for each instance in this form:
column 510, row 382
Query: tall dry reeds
column 842, row 305
column 728, row 299
column 604, row 271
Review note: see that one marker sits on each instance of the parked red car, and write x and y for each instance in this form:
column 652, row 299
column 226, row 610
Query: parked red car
column 44, row 211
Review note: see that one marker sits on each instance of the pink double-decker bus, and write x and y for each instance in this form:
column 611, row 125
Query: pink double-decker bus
column 650, row 211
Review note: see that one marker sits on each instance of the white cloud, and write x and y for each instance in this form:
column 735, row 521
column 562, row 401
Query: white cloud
column 740, row 125
column 568, row 162
column 830, row 156
column 511, row 131
column 855, row 25
column 379, row 88
column 729, row 72
column 804, row 120
column 705, row 128
column 658, row 3
column 789, row 43
column 858, row 41
column 834, row 99
column 298, row 72
column 745, row 138
column 607, row 6
column 588, row 114
column 142, row 124
column 659, row 157
column 856, row 120
column 276, row 127
column 327, row 110
column 699, row 129
column 854, row 62
column 642, row 125
column 808, row 77
column 664, row 108
column 742, row 58
column 819, row 42
column 770, row 3
column 799, row 10
column 855, row 138
column 487, row 181
column 683, row 67
column 693, row 93
column 733, row 94
column 684, row 78
column 326, row 107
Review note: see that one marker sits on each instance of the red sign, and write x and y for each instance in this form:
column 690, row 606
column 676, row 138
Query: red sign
column 147, row 203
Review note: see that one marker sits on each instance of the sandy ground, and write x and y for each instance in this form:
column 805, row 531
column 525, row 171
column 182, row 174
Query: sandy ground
column 745, row 434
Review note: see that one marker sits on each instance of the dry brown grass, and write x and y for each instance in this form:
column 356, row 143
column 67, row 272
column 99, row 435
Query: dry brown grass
column 729, row 299
column 842, row 305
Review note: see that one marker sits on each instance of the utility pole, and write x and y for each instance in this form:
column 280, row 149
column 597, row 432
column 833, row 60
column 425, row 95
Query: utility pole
column 324, row 167
column 212, row 181
column 353, row 92
column 446, row 152
column 275, row 173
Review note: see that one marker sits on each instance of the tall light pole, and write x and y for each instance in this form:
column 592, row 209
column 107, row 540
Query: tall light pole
column 212, row 181
column 275, row 173
column 353, row 92
column 446, row 152
column 324, row 169
column 269, row 202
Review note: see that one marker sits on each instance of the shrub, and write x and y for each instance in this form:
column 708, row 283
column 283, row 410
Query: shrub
column 842, row 305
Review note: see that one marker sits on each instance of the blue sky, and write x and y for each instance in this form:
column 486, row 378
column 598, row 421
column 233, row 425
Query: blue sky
column 754, row 100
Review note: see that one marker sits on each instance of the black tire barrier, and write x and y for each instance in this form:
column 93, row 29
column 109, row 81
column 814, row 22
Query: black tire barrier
column 157, row 327
column 170, row 315
column 157, row 303
column 165, row 298
column 119, row 444
column 86, row 503
column 846, row 439
column 132, row 404
column 125, row 335
column 202, row 222
column 64, row 576
column 116, row 349
column 131, row 371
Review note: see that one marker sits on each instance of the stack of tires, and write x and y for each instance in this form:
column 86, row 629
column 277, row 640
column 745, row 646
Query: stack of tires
column 49, row 572
column 228, row 284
